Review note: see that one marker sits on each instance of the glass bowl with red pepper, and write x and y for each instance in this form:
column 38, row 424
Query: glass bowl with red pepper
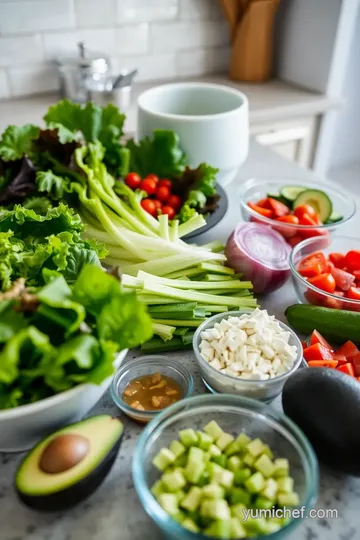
column 326, row 272
column 297, row 210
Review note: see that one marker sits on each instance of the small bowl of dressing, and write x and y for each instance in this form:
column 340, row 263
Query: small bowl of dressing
column 144, row 387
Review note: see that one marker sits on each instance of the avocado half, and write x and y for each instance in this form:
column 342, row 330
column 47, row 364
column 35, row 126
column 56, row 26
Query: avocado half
column 67, row 466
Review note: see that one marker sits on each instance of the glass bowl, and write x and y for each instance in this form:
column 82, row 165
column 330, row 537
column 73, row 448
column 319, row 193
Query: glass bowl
column 256, row 189
column 307, row 293
column 147, row 365
column 234, row 414
column 218, row 382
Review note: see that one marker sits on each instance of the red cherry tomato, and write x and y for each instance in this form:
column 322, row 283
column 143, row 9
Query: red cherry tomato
column 152, row 177
column 133, row 180
column 279, row 209
column 352, row 260
column 163, row 193
column 312, row 265
column 293, row 220
column 338, row 259
column 306, row 219
column 295, row 240
column 354, row 293
column 174, row 201
column 158, row 204
column 325, row 282
column 149, row 206
column 164, row 182
column 343, row 279
column 287, row 232
column 148, row 185
column 299, row 211
column 169, row 211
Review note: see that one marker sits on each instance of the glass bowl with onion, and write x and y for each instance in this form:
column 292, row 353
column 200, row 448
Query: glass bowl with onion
column 145, row 386
column 222, row 382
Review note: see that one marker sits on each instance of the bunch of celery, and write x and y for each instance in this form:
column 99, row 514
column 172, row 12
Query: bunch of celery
column 180, row 302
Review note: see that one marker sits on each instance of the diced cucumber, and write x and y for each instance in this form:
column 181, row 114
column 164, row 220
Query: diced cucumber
column 163, row 459
column 220, row 460
column 249, row 459
column 204, row 479
column 264, row 465
column 290, row 193
column 219, row 529
column 190, row 525
column 255, row 483
column 242, row 441
column 335, row 217
column 267, row 451
column 188, row 437
column 157, row 488
column 192, row 500
column 204, row 440
column 286, row 484
column 236, row 529
column 213, row 429
column 224, row 440
column 214, row 450
column 239, row 495
column 221, row 476
column 213, row 491
column 177, row 448
column 281, row 467
column 181, row 461
column 270, row 489
column 215, row 509
column 241, row 476
column 232, row 449
column 234, row 463
column 169, row 503
column 173, row 481
column 255, row 447
column 318, row 200
column 196, row 455
column 193, row 471
column 272, row 526
column 239, row 511
column 179, row 517
column 288, row 499
column 256, row 525
column 262, row 503
column 180, row 495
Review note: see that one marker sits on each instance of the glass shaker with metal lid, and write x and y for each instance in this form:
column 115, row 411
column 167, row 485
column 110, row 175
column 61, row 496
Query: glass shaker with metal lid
column 76, row 72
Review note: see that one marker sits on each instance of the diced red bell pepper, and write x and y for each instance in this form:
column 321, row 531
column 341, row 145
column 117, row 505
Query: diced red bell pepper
column 323, row 363
column 316, row 337
column 348, row 349
column 317, row 352
column 279, row 209
column 262, row 211
column 347, row 368
column 341, row 359
column 355, row 360
column 304, row 345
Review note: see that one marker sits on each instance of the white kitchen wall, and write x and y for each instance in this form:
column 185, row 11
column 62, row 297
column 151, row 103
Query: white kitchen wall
column 164, row 39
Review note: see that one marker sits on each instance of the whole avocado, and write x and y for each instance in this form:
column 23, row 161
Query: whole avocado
column 325, row 404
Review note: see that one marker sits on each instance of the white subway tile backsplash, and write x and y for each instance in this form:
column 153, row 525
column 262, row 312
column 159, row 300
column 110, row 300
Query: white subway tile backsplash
column 202, row 61
column 32, row 80
column 91, row 13
column 17, row 17
column 131, row 39
column 4, row 85
column 178, row 36
column 150, row 68
column 146, row 10
column 199, row 9
column 65, row 43
column 20, row 50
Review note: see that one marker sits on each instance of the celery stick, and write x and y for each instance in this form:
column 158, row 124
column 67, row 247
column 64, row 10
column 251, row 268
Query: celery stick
column 181, row 331
column 174, row 231
column 164, row 331
column 215, row 246
column 221, row 290
column 185, row 273
column 194, row 223
column 164, row 226
column 221, row 277
column 175, row 322
column 216, row 269
column 172, row 263
column 182, row 311
column 156, row 345
column 131, row 282
column 215, row 309
column 152, row 299
column 200, row 285
column 187, row 339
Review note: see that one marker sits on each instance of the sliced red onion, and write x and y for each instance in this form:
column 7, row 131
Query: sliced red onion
column 260, row 254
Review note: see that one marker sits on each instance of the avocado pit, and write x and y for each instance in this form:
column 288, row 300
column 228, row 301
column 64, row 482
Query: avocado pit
column 63, row 453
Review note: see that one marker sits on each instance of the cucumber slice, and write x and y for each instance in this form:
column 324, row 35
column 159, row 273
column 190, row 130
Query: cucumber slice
column 319, row 200
column 335, row 217
column 290, row 193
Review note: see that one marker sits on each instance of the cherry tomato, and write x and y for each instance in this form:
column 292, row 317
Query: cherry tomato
column 175, row 202
column 287, row 232
column 338, row 259
column 343, row 279
column 295, row 240
column 169, row 211
column 260, row 210
column 148, row 185
column 356, row 273
column 352, row 260
column 163, row 193
column 299, row 211
column 158, row 205
column 293, row 220
column 263, row 203
column 164, row 182
column 133, row 180
column 152, row 177
column 313, row 265
column 354, row 293
column 149, row 206
column 306, row 219
column 325, row 282
column 279, row 209
column 329, row 266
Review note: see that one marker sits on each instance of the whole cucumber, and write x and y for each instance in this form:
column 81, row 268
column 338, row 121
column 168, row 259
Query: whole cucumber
column 334, row 324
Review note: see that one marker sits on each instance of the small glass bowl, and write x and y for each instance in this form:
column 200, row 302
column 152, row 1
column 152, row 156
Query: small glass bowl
column 234, row 414
column 147, row 365
column 256, row 189
column 307, row 293
column 218, row 382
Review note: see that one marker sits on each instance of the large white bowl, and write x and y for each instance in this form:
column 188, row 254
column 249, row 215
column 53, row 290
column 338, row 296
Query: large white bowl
column 21, row 428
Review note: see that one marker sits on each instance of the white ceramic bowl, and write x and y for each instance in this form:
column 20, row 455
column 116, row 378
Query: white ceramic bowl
column 211, row 120
column 21, row 428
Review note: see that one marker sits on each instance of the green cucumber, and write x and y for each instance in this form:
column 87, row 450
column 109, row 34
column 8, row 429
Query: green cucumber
column 289, row 193
column 337, row 325
column 278, row 197
column 318, row 200
column 334, row 218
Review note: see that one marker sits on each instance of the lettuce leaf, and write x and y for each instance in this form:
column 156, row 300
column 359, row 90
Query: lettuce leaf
column 17, row 141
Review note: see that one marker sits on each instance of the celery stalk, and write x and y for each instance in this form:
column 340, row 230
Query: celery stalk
column 187, row 310
column 185, row 273
column 216, row 269
column 173, row 263
column 198, row 285
column 164, row 331
column 175, row 322
column 216, row 246
column 194, row 223
column 221, row 277
column 156, row 345
column 164, row 226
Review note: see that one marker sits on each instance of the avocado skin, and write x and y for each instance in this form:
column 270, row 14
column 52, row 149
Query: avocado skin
column 76, row 493
column 325, row 404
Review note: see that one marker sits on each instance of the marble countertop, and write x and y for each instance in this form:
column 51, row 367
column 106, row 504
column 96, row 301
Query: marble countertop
column 113, row 512
column 274, row 101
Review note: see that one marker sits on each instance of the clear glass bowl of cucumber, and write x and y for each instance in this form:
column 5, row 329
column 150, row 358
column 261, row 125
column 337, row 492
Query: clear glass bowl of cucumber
column 333, row 207
column 207, row 465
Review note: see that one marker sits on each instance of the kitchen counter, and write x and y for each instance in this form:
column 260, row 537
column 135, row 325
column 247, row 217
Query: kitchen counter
column 274, row 101
column 114, row 512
